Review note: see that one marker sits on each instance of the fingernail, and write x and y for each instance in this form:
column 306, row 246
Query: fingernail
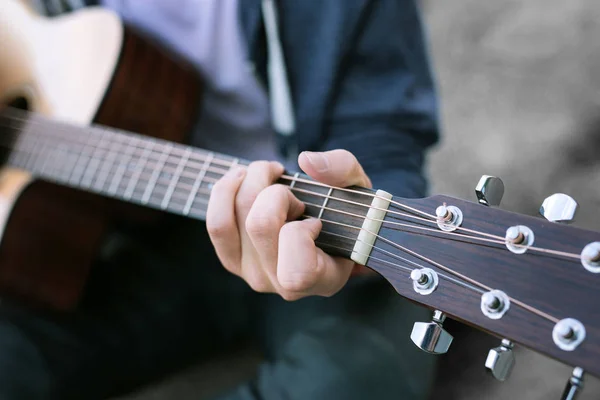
column 239, row 172
column 278, row 165
column 317, row 160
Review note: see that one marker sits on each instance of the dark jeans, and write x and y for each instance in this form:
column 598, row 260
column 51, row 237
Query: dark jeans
column 161, row 302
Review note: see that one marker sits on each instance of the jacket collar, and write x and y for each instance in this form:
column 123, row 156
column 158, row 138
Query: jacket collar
column 251, row 21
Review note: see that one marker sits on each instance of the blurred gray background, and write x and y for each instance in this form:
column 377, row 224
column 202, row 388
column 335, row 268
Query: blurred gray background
column 520, row 97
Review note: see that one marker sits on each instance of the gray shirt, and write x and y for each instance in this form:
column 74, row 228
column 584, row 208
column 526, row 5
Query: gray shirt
column 235, row 115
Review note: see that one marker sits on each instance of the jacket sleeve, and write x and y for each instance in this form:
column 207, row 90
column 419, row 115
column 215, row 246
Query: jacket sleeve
column 384, row 109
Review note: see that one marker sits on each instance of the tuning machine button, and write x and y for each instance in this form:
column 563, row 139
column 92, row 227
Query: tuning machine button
column 559, row 207
column 574, row 385
column 431, row 337
column 501, row 360
column 489, row 190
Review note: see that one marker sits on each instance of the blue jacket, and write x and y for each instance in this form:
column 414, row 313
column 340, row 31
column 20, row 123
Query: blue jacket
column 360, row 80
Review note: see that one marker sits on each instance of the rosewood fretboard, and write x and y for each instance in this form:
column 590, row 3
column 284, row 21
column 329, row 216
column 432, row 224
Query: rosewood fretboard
column 155, row 173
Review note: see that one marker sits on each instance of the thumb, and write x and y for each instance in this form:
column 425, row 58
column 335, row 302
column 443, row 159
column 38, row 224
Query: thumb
column 336, row 168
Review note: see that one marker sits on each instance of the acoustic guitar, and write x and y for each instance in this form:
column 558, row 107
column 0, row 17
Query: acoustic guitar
column 75, row 91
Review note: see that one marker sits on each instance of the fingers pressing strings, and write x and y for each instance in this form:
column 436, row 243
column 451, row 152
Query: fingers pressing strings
column 197, row 163
column 198, row 159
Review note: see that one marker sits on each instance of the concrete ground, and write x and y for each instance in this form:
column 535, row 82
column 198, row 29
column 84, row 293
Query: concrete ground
column 520, row 90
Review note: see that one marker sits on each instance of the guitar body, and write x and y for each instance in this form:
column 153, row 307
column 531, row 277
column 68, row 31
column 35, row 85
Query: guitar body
column 51, row 234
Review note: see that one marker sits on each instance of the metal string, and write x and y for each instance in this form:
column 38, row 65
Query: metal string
column 409, row 269
column 439, row 265
column 105, row 169
column 448, row 270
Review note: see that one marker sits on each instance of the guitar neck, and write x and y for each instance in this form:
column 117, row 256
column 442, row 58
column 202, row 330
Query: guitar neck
column 156, row 173
column 134, row 168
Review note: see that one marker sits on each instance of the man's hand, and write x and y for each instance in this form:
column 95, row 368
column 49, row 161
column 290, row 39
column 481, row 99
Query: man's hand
column 253, row 226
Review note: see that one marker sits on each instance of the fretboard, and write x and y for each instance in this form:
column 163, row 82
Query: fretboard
column 155, row 173
column 130, row 167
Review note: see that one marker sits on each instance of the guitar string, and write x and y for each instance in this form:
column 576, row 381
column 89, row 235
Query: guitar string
column 109, row 168
column 500, row 239
column 213, row 180
column 314, row 183
column 389, row 253
column 118, row 134
column 439, row 265
column 348, row 201
column 442, row 267
column 449, row 270
column 177, row 147
column 284, row 177
column 407, row 225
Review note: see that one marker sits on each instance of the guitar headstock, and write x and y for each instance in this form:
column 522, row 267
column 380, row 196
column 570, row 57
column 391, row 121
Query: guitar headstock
column 527, row 280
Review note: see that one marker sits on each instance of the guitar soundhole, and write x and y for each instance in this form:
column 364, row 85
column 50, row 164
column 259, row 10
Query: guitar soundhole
column 7, row 129
column 19, row 102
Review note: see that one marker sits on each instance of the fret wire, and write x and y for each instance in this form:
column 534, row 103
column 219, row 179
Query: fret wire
column 430, row 216
column 45, row 159
column 89, row 146
column 77, row 167
column 226, row 163
column 134, row 179
column 529, row 307
column 320, row 215
column 107, row 163
column 29, row 159
column 92, row 166
column 118, row 176
column 47, row 152
column 466, row 237
column 122, row 160
column 197, row 183
column 325, row 203
column 16, row 158
column 296, row 175
column 99, row 166
column 59, row 153
column 461, row 235
column 155, row 174
column 176, row 150
column 22, row 159
column 175, row 178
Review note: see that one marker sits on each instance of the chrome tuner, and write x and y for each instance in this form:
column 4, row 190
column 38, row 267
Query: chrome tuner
column 501, row 360
column 430, row 336
column 559, row 208
column 574, row 385
column 489, row 190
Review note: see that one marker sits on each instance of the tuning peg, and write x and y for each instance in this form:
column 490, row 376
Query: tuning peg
column 501, row 360
column 489, row 190
column 574, row 385
column 430, row 336
column 559, row 208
